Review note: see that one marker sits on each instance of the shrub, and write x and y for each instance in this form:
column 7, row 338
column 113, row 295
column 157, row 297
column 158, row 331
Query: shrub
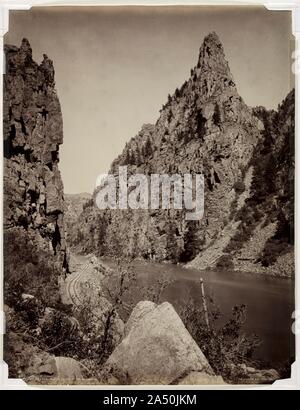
column 88, row 204
column 29, row 268
column 225, row 262
column 239, row 186
column 225, row 345
column 201, row 124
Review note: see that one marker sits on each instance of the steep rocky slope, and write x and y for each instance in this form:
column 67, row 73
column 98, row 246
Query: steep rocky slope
column 33, row 131
column 265, row 237
column 205, row 127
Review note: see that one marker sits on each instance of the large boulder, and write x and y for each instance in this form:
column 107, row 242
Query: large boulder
column 68, row 369
column 37, row 366
column 156, row 349
column 47, row 369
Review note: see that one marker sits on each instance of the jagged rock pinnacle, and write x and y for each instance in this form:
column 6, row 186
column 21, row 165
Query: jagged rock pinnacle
column 212, row 72
column 212, row 54
column 25, row 47
column 213, row 37
column 48, row 69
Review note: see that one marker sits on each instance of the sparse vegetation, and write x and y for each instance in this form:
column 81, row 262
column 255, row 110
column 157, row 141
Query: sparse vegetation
column 225, row 345
column 201, row 121
column 37, row 275
column 225, row 263
column 148, row 148
column 192, row 241
column 272, row 185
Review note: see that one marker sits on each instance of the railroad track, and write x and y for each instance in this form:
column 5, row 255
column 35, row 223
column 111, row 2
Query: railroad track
column 74, row 281
column 72, row 285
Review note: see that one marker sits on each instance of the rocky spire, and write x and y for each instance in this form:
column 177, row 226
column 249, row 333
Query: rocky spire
column 212, row 71
column 212, row 55
column 25, row 52
column 25, row 47
column 48, row 70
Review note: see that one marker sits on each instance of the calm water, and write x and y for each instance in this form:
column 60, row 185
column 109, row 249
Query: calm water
column 269, row 301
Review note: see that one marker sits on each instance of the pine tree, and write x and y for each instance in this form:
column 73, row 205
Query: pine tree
column 138, row 159
column 201, row 121
column 217, row 115
column 192, row 241
column 148, row 148
column 132, row 158
column 171, row 248
column 129, row 158
column 143, row 152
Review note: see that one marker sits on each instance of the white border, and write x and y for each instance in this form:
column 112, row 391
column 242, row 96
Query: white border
column 293, row 5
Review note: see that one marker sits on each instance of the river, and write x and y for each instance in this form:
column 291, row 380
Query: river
column 269, row 301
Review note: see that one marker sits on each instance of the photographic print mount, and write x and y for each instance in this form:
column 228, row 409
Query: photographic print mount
column 293, row 7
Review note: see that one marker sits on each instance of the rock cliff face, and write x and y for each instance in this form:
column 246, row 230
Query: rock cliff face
column 74, row 205
column 33, row 131
column 35, row 256
column 205, row 127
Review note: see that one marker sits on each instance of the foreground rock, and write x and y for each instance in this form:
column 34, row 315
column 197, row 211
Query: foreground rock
column 156, row 349
column 63, row 369
column 200, row 378
column 39, row 367
column 68, row 369
column 249, row 375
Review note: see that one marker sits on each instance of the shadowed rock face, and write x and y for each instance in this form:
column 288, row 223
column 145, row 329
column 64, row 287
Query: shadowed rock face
column 33, row 131
column 205, row 127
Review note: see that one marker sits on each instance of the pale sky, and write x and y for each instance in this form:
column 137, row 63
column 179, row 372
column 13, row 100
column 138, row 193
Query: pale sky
column 116, row 66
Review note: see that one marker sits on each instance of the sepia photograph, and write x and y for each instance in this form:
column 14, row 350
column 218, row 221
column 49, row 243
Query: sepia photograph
column 148, row 195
